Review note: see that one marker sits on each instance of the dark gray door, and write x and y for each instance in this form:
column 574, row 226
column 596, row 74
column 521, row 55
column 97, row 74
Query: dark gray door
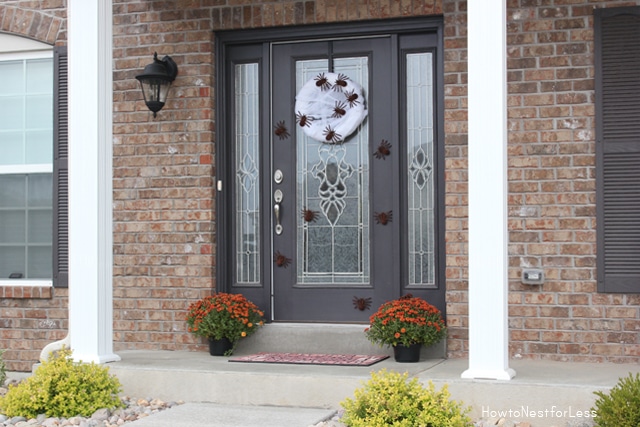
column 332, row 249
column 326, row 230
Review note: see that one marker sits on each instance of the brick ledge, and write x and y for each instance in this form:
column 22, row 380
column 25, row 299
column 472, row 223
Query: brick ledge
column 26, row 292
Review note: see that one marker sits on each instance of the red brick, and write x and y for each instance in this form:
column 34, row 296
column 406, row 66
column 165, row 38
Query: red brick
column 608, row 349
column 550, row 336
column 622, row 312
column 524, row 335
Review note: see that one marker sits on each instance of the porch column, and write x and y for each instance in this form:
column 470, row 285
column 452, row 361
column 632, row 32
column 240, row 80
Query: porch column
column 90, row 175
column 488, row 261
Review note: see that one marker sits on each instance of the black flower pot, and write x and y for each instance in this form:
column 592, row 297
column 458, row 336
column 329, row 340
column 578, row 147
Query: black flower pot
column 410, row 354
column 219, row 347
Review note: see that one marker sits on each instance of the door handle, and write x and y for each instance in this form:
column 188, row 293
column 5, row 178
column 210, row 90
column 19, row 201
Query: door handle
column 277, row 197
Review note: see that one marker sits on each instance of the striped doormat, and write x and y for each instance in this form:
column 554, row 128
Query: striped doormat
column 311, row 359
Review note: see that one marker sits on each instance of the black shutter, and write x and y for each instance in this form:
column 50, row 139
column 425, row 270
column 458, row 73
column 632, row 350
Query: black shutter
column 617, row 65
column 60, row 175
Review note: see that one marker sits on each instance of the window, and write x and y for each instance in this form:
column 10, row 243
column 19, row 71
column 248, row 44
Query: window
column 617, row 32
column 27, row 196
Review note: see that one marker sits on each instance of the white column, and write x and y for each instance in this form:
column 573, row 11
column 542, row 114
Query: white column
column 488, row 261
column 90, row 175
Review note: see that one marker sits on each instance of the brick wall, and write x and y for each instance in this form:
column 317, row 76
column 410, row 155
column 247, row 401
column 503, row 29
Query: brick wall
column 455, row 128
column 32, row 316
column 43, row 20
column 164, row 209
column 551, row 188
column 164, row 212
column 163, row 174
column 552, row 191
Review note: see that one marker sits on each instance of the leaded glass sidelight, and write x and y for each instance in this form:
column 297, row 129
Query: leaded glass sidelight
column 247, row 169
column 333, row 181
column 420, row 162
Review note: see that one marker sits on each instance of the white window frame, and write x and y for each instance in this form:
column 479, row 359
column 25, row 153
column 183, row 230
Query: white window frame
column 36, row 50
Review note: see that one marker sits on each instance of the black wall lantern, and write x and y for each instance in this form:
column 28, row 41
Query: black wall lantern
column 155, row 81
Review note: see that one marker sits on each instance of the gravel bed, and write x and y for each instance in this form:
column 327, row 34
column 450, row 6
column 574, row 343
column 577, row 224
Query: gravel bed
column 134, row 409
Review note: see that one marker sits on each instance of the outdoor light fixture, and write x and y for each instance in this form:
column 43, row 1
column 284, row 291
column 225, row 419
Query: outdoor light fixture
column 155, row 81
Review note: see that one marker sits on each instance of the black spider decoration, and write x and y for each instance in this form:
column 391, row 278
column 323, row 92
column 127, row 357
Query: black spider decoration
column 339, row 110
column 352, row 98
column 303, row 120
column 281, row 130
column 341, row 82
column 331, row 136
column 322, row 82
column 383, row 218
column 362, row 304
column 281, row 260
column 309, row 215
column 383, row 150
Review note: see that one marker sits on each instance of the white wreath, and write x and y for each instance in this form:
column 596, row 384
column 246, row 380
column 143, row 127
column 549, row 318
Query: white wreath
column 330, row 107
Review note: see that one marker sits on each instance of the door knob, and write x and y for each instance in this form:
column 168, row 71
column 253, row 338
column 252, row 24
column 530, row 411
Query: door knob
column 277, row 197
column 278, row 176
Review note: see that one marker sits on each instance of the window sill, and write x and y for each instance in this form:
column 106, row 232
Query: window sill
column 26, row 289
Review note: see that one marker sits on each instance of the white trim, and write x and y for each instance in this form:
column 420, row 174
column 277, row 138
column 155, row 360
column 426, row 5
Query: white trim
column 90, row 180
column 25, row 282
column 26, row 169
column 488, row 235
column 25, row 56
column 15, row 43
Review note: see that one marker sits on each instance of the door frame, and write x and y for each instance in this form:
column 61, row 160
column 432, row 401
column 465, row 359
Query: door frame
column 224, row 173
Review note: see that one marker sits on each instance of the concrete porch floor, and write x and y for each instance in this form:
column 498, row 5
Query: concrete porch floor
column 544, row 393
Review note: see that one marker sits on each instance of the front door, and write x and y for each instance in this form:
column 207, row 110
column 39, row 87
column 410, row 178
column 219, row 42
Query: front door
column 332, row 203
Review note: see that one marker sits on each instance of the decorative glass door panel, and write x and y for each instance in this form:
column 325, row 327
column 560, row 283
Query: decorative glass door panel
column 333, row 193
column 247, row 171
column 420, row 161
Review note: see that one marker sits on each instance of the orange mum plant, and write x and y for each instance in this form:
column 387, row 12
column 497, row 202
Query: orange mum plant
column 406, row 321
column 224, row 315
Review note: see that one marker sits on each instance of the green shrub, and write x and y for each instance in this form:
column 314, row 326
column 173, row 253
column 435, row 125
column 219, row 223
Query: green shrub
column 3, row 370
column 390, row 399
column 62, row 388
column 620, row 407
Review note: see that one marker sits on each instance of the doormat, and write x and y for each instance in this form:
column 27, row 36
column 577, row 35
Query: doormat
column 311, row 359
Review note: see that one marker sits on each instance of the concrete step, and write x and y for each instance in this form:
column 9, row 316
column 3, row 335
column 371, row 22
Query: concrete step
column 544, row 393
column 547, row 394
column 318, row 338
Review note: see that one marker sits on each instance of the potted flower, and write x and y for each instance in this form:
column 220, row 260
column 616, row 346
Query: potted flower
column 406, row 324
column 223, row 319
